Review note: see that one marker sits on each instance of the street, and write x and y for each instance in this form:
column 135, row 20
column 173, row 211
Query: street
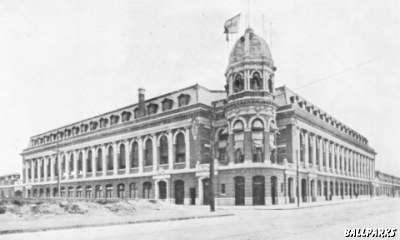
column 325, row 222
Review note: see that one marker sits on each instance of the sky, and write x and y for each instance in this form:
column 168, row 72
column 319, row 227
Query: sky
column 62, row 61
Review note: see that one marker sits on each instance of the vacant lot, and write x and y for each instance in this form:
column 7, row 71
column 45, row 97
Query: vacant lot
column 32, row 215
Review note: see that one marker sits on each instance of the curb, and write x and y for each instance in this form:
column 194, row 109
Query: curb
column 4, row 232
column 294, row 207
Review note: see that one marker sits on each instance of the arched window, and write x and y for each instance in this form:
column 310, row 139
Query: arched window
column 310, row 149
column 41, row 168
column 97, row 191
column 88, row 192
column 135, row 155
column 110, row 158
column 238, row 84
column 70, row 192
column 256, row 82
column 238, row 130
column 167, row 104
column 335, row 152
column 318, row 150
column 48, row 166
column 55, row 192
column 133, row 190
column 324, row 146
column 41, row 193
column 121, row 190
column 55, row 168
column 89, row 162
column 64, row 166
column 257, row 135
column 152, row 108
column 109, row 189
column 71, row 165
column 330, row 146
column 79, row 192
column 183, row 100
column 180, row 148
column 62, row 192
column 29, row 166
column 146, row 190
column 99, row 160
column 148, row 153
column 126, row 116
column 302, row 148
column 121, row 157
column 80, row 159
column 136, row 113
column 114, row 119
column 163, row 150
column 222, row 145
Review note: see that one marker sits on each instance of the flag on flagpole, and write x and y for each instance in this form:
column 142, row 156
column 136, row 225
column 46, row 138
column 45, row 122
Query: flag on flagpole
column 231, row 26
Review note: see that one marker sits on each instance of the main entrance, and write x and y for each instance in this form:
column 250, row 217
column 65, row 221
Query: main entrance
column 239, row 190
column 258, row 190
column 179, row 187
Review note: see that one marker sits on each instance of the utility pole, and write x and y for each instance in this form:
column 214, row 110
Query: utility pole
column 212, row 145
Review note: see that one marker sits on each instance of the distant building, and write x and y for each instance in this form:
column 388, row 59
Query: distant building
column 386, row 185
column 267, row 141
column 10, row 186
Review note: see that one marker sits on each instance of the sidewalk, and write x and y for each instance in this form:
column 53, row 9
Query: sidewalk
column 18, row 225
column 294, row 205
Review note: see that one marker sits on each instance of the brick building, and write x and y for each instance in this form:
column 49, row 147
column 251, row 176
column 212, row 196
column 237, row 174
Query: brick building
column 266, row 142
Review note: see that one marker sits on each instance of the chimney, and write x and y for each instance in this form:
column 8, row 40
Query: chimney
column 142, row 105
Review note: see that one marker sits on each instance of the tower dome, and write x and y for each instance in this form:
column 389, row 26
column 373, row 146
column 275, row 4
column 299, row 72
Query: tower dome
column 250, row 47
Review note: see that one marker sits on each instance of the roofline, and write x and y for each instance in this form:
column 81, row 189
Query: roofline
column 320, row 109
column 128, row 106
column 10, row 174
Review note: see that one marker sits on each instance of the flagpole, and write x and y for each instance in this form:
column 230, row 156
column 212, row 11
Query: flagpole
column 248, row 13
column 270, row 34
column 263, row 27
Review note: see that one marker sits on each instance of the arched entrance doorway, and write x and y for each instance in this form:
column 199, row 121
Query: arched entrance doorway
column 258, row 190
column 239, row 190
column 179, row 189
column 206, row 191
column 162, row 190
column 274, row 190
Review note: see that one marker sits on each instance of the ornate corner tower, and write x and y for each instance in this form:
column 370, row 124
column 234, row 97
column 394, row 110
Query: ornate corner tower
column 250, row 109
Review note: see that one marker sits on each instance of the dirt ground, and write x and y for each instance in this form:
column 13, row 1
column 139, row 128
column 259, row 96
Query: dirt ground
column 35, row 215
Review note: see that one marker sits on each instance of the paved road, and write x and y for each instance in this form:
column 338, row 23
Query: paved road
column 327, row 222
